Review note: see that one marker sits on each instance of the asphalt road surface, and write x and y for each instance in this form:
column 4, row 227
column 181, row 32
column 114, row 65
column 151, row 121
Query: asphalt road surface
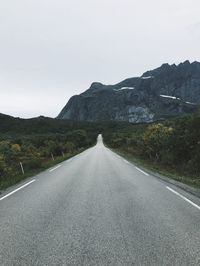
column 98, row 209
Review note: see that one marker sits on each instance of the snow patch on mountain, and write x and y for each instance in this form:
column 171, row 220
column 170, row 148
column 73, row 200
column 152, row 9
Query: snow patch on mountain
column 149, row 77
column 170, row 97
column 124, row 88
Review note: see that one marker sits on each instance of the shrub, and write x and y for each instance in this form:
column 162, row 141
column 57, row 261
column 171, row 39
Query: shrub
column 33, row 164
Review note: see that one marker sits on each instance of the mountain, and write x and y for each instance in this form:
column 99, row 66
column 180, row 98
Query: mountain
column 167, row 91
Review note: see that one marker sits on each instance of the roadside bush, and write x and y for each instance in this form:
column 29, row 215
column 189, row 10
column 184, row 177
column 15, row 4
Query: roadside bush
column 2, row 168
column 156, row 139
column 34, row 163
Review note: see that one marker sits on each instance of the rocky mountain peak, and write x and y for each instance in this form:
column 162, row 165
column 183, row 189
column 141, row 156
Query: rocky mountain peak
column 96, row 85
column 166, row 91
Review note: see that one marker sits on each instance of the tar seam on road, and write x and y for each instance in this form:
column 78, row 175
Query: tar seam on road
column 141, row 171
column 55, row 168
column 14, row 191
column 184, row 198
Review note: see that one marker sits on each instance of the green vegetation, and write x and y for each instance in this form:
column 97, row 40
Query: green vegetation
column 39, row 144
column 170, row 147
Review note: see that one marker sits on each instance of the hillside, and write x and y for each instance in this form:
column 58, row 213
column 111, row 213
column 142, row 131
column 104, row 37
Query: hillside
column 39, row 125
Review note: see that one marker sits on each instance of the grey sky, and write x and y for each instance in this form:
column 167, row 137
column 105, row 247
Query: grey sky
column 53, row 49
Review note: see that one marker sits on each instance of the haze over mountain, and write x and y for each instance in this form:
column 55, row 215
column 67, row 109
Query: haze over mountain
column 169, row 90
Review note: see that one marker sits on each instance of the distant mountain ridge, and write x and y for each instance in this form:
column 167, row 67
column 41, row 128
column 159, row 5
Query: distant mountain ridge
column 15, row 126
column 167, row 91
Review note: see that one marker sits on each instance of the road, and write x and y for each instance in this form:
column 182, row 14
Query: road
column 98, row 209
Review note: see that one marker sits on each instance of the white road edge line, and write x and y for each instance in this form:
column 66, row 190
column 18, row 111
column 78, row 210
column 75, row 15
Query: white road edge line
column 55, row 168
column 126, row 161
column 184, row 198
column 141, row 171
column 14, row 191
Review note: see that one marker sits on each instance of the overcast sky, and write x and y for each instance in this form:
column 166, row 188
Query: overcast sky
column 53, row 49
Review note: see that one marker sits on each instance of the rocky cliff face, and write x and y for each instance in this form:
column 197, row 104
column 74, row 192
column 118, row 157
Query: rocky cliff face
column 166, row 91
